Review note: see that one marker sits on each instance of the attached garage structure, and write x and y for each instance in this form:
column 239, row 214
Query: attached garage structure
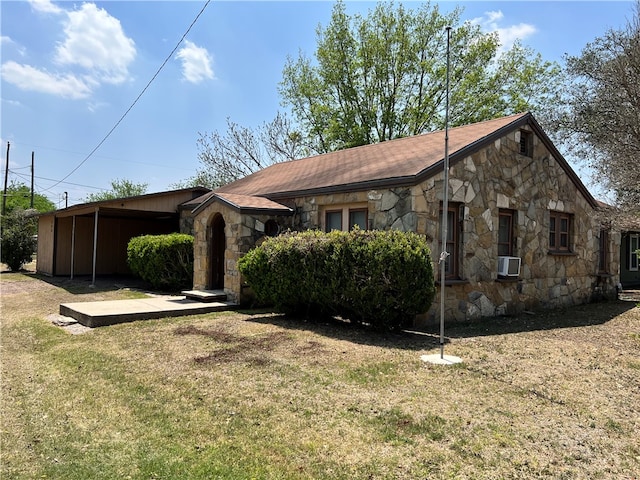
column 92, row 238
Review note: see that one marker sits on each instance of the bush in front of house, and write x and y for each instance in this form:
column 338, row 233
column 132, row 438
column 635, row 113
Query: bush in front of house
column 165, row 261
column 382, row 278
column 18, row 238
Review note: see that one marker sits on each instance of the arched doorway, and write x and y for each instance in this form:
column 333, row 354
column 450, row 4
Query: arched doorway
column 217, row 246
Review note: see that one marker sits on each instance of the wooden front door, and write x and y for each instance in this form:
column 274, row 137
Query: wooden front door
column 217, row 244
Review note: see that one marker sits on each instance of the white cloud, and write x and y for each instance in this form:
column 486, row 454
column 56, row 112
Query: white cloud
column 8, row 42
column 95, row 41
column 490, row 21
column 27, row 77
column 196, row 63
column 95, row 50
column 45, row 6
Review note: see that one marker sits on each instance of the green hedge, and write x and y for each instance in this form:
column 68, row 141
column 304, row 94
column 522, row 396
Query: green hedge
column 18, row 243
column 383, row 278
column 165, row 261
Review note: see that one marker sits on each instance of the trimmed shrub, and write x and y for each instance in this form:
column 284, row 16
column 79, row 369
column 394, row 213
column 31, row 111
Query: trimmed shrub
column 165, row 261
column 383, row 278
column 18, row 242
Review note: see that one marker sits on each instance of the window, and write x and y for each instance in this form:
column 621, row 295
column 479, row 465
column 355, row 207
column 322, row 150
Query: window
column 526, row 143
column 339, row 217
column 506, row 221
column 603, row 259
column 333, row 220
column 453, row 241
column 560, row 232
column 358, row 216
column 634, row 245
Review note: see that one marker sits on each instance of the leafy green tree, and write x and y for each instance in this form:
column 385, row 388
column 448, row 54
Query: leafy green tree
column 382, row 76
column 600, row 118
column 18, row 237
column 19, row 196
column 119, row 189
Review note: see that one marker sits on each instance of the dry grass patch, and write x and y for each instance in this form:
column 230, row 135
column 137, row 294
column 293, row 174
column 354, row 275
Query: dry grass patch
column 257, row 395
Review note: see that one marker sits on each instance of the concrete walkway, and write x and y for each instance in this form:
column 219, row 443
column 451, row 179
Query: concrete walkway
column 110, row 312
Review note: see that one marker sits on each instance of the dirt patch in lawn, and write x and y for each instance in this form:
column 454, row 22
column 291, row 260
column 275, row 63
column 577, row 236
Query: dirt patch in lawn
column 260, row 395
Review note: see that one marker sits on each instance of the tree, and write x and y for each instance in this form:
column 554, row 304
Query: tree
column 18, row 237
column 242, row 151
column 599, row 121
column 119, row 189
column 19, row 196
column 380, row 77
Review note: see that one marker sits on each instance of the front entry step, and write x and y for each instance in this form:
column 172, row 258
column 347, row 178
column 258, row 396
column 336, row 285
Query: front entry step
column 205, row 295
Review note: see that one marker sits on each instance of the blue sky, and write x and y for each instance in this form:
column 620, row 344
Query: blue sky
column 70, row 71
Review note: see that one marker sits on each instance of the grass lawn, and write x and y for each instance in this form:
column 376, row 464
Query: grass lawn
column 253, row 395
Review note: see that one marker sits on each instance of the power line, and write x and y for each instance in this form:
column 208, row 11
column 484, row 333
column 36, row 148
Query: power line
column 137, row 98
column 22, row 175
column 106, row 157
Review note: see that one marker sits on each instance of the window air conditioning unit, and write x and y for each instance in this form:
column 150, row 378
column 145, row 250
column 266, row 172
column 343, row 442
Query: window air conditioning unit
column 508, row 266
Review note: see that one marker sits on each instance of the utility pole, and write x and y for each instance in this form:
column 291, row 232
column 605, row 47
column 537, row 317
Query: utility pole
column 66, row 199
column 6, row 177
column 32, row 159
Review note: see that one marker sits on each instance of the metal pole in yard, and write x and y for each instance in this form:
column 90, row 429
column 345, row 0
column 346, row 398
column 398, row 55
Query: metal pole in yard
column 6, row 177
column 445, row 205
column 449, row 360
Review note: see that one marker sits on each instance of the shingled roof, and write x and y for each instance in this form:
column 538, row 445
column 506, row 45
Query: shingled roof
column 394, row 163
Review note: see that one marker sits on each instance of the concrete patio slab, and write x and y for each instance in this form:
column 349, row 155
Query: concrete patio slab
column 110, row 312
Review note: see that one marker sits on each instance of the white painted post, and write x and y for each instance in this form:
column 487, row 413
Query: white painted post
column 73, row 244
column 95, row 247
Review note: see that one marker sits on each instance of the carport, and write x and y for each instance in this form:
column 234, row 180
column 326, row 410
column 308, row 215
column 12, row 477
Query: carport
column 91, row 239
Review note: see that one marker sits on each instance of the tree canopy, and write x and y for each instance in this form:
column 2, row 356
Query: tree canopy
column 600, row 121
column 380, row 77
column 120, row 188
column 383, row 76
column 19, row 196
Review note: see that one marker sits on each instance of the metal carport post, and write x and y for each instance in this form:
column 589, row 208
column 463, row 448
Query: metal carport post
column 95, row 246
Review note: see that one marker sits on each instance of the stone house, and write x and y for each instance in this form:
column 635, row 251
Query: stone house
column 523, row 233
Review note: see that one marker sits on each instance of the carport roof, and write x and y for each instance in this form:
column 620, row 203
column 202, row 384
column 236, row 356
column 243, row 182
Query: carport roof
column 131, row 206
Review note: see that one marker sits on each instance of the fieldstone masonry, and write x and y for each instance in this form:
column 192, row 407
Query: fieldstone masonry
column 497, row 177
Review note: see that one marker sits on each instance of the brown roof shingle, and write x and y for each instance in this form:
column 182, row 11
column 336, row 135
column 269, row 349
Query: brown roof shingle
column 400, row 160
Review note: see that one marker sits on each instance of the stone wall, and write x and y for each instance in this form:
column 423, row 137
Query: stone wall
column 242, row 232
column 498, row 177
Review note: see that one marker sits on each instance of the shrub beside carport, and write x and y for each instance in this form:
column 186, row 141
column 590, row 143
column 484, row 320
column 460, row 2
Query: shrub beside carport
column 165, row 261
column 382, row 278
